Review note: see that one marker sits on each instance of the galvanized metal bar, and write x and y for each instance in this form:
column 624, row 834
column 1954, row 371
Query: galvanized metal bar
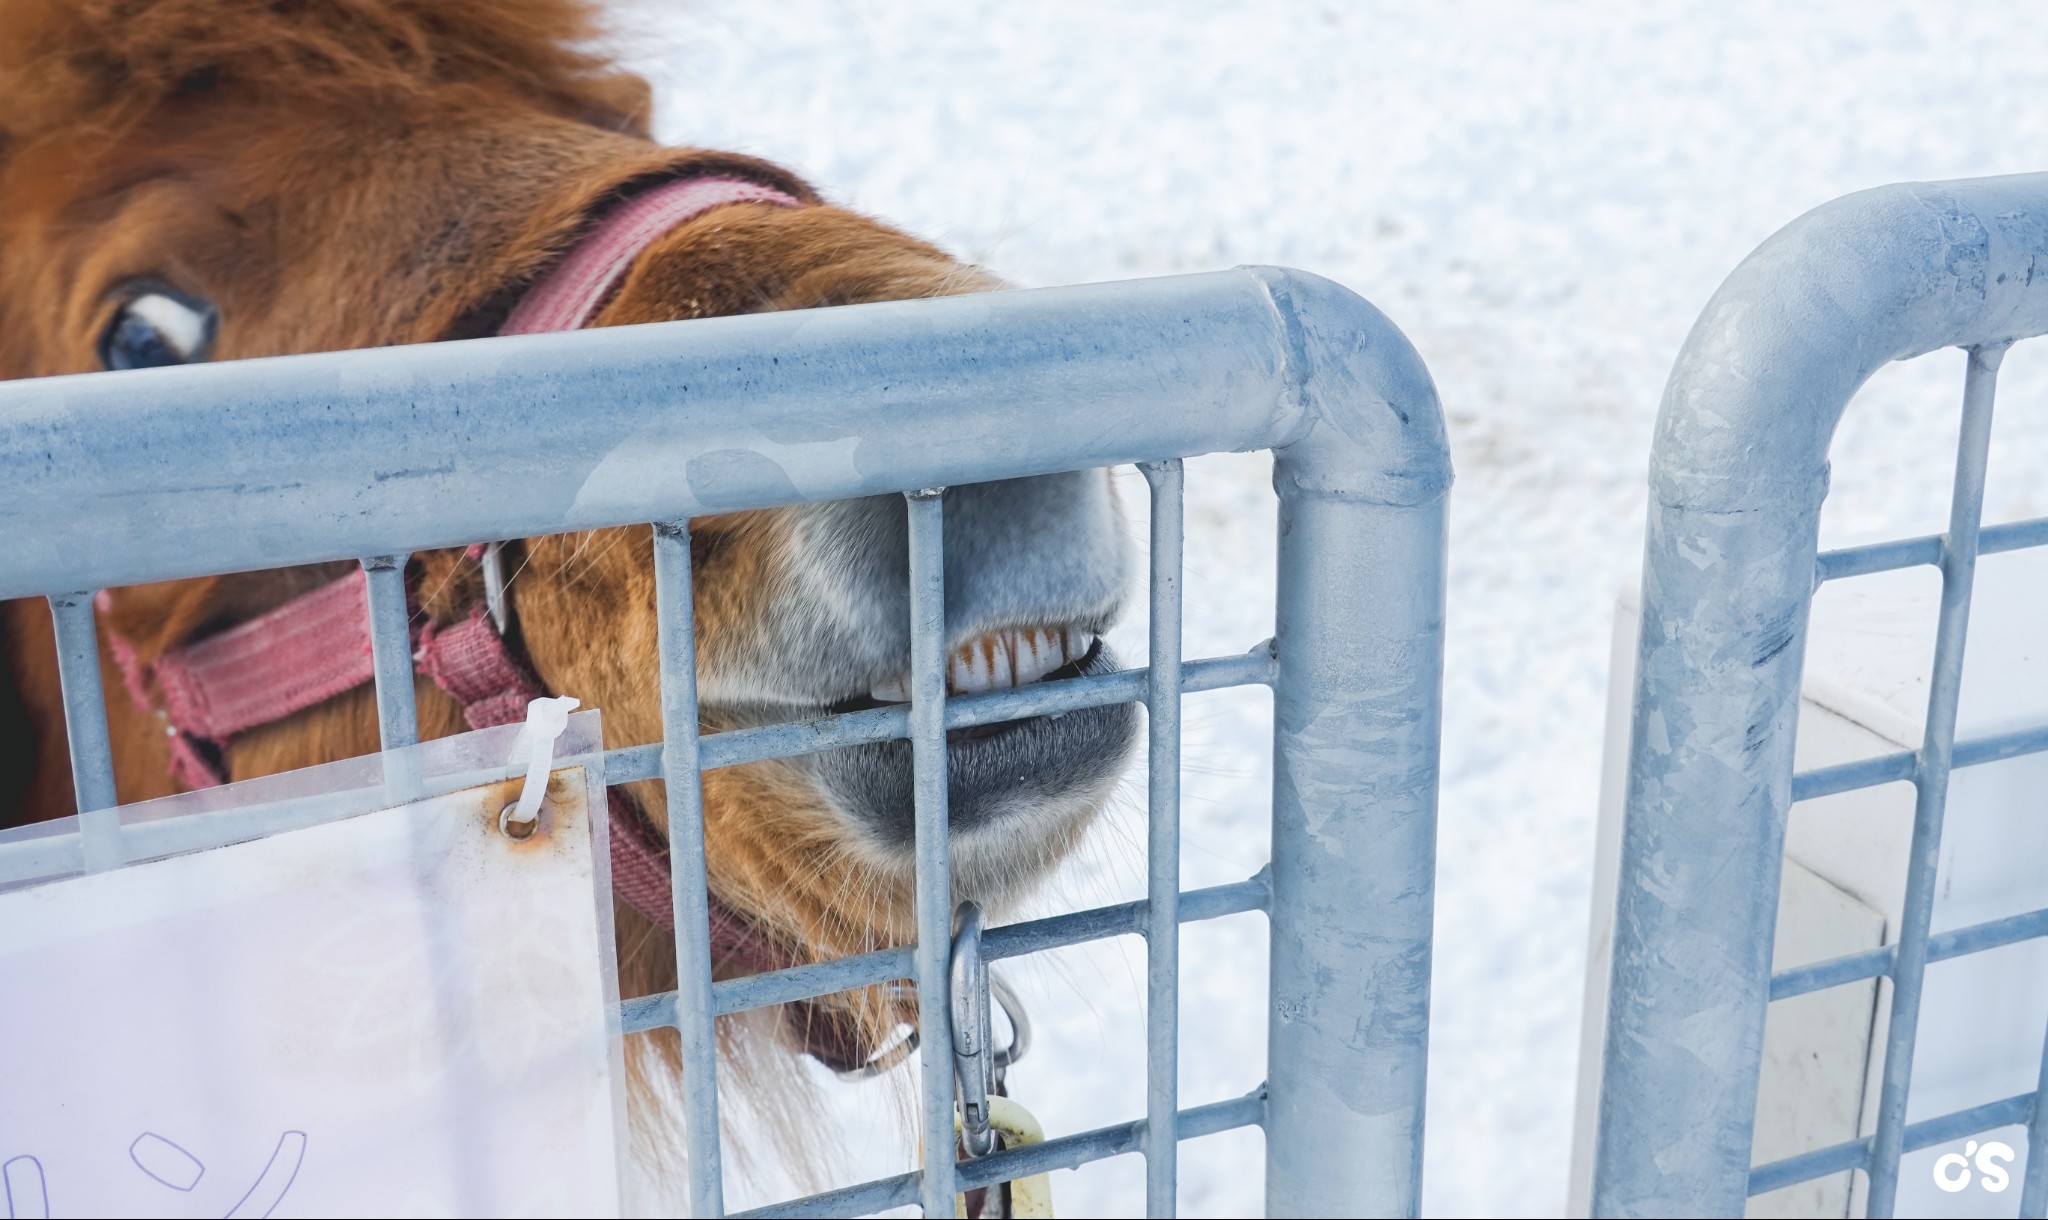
column 1977, row 751
column 645, row 1013
column 1065, row 1152
column 1737, row 476
column 890, row 965
column 689, row 886
column 390, row 617
column 1887, row 556
column 814, row 979
column 2034, row 1186
column 1855, row 1154
column 1162, row 844
column 57, row 850
column 736, row 746
column 55, row 855
column 1072, row 1151
column 934, row 878
column 2012, row 536
column 1011, row 940
column 1356, row 714
column 369, row 452
column 631, row 764
column 1892, row 768
column 1941, row 947
column 85, row 729
column 398, row 721
column 45, row 851
column 1077, row 927
column 1909, row 967
column 1719, row 656
column 1849, row 776
column 1926, row 550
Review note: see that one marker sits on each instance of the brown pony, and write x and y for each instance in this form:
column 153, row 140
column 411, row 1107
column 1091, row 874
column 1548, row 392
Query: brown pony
column 220, row 179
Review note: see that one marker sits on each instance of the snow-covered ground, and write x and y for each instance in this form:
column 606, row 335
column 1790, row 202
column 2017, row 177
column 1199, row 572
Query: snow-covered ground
column 1542, row 196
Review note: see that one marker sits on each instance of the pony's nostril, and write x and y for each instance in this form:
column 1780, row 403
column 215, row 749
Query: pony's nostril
column 1000, row 659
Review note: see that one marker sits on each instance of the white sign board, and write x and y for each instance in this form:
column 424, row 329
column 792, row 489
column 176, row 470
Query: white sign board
column 399, row 1013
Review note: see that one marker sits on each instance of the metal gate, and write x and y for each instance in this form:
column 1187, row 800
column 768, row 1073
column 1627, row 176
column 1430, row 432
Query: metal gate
column 1738, row 474
column 126, row 478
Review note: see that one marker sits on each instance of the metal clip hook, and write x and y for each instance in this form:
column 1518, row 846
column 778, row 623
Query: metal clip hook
column 978, row 1065
column 493, row 563
column 973, row 1063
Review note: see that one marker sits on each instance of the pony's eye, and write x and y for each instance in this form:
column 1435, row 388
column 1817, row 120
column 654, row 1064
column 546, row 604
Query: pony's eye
column 155, row 327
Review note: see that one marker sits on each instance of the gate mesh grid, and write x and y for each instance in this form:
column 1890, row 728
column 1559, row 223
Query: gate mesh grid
column 1256, row 358
column 1905, row 962
column 925, row 722
column 691, row 1009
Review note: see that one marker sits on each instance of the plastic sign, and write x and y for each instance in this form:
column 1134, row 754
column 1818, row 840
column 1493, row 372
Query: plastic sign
column 405, row 1012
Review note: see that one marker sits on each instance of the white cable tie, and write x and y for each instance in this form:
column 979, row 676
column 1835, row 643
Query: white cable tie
column 545, row 720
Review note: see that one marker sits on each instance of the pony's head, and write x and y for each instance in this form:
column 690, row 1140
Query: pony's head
column 186, row 180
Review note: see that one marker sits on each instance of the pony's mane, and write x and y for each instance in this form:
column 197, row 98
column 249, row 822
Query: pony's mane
column 80, row 65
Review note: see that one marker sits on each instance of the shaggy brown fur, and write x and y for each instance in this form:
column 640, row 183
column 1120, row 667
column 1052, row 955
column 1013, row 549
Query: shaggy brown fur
column 351, row 173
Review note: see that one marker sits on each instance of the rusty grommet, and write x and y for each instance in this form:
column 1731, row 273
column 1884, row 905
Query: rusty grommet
column 515, row 830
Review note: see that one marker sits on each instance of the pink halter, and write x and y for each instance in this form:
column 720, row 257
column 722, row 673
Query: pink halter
column 569, row 295
column 317, row 645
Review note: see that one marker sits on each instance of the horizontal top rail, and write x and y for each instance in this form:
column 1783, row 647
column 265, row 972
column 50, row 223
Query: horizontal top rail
column 1881, row 275
column 121, row 478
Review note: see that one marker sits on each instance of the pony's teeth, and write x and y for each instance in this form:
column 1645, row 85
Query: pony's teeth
column 1002, row 667
column 1031, row 656
column 999, row 660
column 1036, row 656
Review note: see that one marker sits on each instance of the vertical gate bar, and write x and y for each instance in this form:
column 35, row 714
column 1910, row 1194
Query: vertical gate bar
column 2034, row 1187
column 398, row 723
column 689, row 891
column 1909, row 965
column 1357, row 710
column 934, row 876
column 85, row 726
column 1162, row 902
column 1709, row 788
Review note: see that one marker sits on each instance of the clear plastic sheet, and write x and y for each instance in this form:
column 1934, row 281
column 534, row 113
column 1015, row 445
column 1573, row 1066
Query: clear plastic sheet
column 346, row 986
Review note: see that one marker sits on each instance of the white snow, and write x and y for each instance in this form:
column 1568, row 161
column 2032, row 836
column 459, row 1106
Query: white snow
column 1542, row 196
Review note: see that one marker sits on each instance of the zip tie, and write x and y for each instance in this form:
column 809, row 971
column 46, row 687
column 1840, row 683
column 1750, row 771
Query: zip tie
column 545, row 720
